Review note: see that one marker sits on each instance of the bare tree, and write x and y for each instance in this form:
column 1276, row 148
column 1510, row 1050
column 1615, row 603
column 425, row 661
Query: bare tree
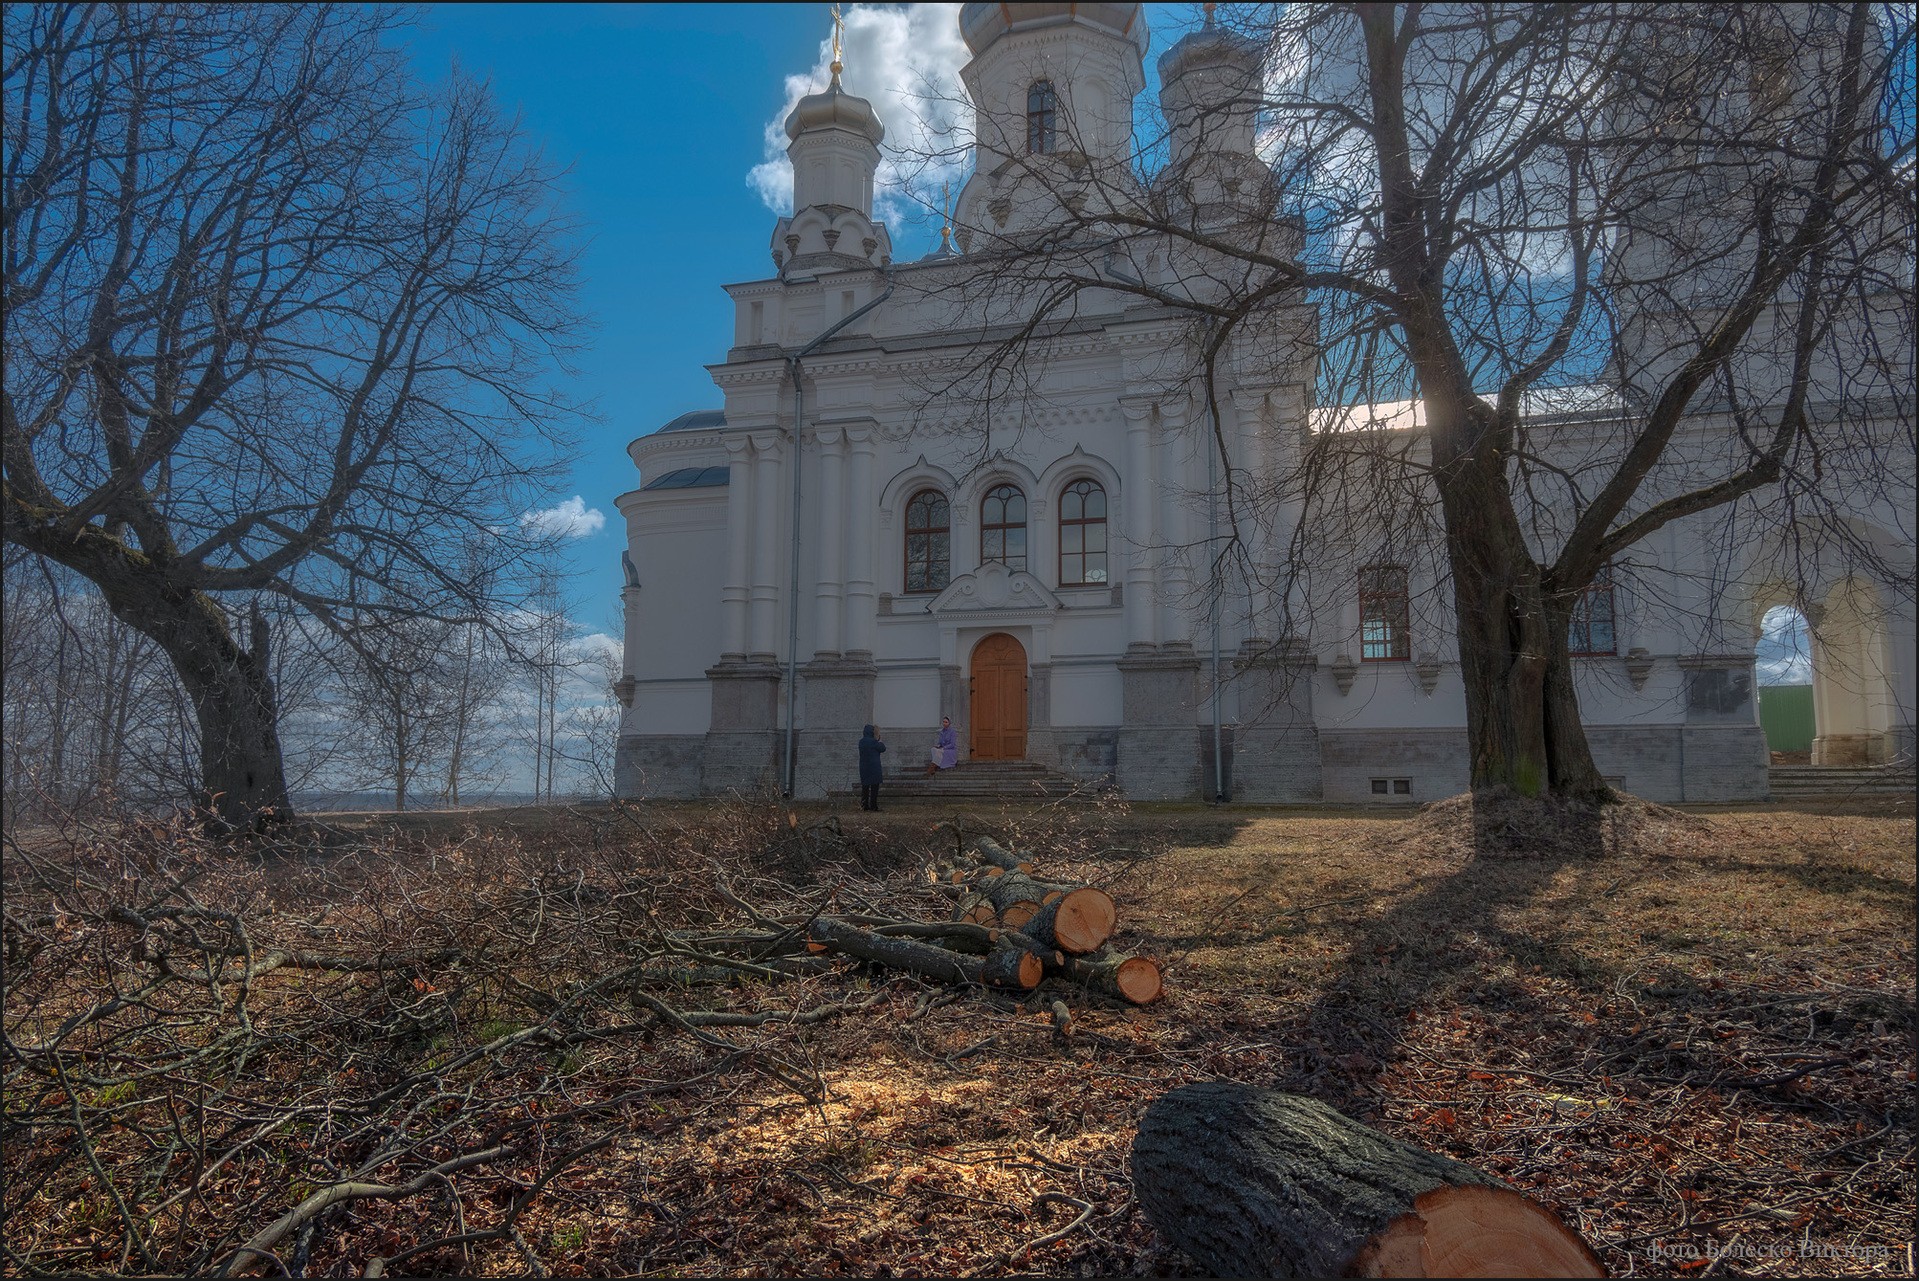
column 277, row 322
column 1633, row 263
column 94, row 715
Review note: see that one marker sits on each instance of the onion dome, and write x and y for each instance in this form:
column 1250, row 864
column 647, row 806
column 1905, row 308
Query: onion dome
column 1210, row 46
column 982, row 24
column 835, row 109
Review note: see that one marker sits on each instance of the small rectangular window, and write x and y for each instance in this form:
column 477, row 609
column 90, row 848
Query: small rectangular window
column 1402, row 787
column 1379, row 787
column 756, row 330
column 846, row 303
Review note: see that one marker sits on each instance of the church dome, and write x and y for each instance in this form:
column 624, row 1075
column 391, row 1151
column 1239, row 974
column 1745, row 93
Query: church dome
column 835, row 109
column 1211, row 46
column 982, row 24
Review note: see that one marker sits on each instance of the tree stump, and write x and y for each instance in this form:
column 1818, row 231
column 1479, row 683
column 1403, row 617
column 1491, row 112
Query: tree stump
column 1256, row 1183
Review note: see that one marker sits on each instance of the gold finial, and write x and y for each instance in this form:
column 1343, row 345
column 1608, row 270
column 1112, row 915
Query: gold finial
column 839, row 38
column 1209, row 12
column 946, row 216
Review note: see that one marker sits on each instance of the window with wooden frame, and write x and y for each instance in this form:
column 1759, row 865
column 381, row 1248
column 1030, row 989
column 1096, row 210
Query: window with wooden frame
column 929, row 531
column 1385, row 612
column 1002, row 527
column 1042, row 109
column 1082, row 534
column 1591, row 634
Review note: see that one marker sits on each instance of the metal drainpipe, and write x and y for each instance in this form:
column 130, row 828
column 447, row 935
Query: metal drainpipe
column 1212, row 539
column 793, row 586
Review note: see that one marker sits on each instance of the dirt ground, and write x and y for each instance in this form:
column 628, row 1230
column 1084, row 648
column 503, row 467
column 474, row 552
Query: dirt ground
column 1694, row 1043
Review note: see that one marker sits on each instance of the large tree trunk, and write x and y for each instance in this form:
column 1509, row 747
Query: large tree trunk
column 1522, row 714
column 1256, row 1183
column 242, row 777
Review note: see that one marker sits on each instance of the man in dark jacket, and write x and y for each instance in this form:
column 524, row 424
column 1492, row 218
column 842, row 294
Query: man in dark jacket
column 870, row 749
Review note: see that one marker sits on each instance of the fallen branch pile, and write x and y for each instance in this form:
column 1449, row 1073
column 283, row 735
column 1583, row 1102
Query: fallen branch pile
column 1021, row 931
column 372, row 1054
column 1009, row 931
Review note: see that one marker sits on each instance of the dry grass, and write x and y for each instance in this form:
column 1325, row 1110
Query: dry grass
column 1690, row 1035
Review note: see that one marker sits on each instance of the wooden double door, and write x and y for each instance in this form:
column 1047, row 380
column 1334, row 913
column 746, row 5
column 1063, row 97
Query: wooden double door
column 998, row 706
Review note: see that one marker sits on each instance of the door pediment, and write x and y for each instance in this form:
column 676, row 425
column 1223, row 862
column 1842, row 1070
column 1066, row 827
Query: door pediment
column 995, row 589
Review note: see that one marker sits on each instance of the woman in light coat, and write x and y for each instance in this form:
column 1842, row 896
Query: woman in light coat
column 945, row 748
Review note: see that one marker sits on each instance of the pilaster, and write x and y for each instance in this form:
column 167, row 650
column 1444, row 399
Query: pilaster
column 862, row 505
column 1176, row 538
column 764, row 595
column 828, row 599
column 739, row 533
column 1139, row 501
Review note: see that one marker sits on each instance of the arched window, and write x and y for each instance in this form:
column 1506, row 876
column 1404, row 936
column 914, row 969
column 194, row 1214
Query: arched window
column 929, row 528
column 1042, row 107
column 1002, row 527
column 1384, row 615
column 1591, row 633
column 1082, row 534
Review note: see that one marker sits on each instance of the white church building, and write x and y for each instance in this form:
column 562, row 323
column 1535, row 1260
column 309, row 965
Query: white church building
column 834, row 545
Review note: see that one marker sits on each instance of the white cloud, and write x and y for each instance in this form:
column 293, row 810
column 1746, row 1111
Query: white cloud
column 905, row 60
column 568, row 518
column 599, row 644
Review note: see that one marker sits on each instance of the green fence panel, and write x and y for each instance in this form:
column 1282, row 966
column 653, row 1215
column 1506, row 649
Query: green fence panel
column 1785, row 712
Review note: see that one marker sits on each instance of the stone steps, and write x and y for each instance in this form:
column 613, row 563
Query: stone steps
column 1839, row 782
column 977, row 779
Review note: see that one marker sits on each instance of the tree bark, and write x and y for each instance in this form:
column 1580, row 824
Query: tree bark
column 242, row 777
column 1522, row 712
column 991, row 851
column 1005, row 966
column 1256, row 1183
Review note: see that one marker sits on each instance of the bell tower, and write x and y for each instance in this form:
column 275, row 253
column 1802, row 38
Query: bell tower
column 1052, row 88
column 835, row 150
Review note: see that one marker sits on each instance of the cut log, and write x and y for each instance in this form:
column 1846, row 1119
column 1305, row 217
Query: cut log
column 1014, row 895
column 1005, row 966
column 991, row 852
column 1077, row 920
column 977, row 909
column 1256, row 1183
column 1012, row 967
column 1133, row 979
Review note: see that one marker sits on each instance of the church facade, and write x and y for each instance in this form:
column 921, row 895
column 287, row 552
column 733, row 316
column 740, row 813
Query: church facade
column 849, row 539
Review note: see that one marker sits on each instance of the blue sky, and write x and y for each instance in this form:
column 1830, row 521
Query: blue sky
column 659, row 113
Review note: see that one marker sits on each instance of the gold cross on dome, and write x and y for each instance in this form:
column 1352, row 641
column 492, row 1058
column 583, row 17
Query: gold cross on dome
column 839, row 29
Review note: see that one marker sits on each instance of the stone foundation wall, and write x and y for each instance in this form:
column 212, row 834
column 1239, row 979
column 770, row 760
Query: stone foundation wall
column 1435, row 760
column 659, row 766
column 1276, row 766
column 1159, row 764
column 1090, row 754
column 740, row 761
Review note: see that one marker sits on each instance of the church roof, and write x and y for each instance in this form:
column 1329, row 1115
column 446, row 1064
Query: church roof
column 689, row 478
column 698, row 420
